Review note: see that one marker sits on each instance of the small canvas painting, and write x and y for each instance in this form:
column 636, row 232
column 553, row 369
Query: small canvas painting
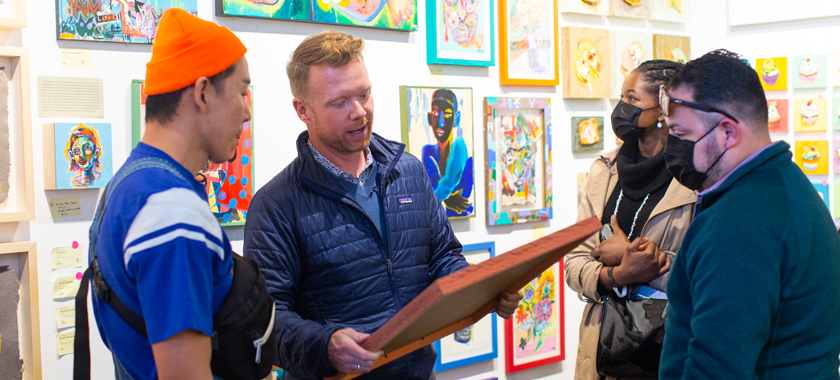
column 586, row 58
column 630, row 8
column 82, row 157
column 672, row 48
column 386, row 14
column 835, row 155
column 834, row 116
column 777, row 115
column 587, row 134
column 528, row 42
column 772, row 72
column 629, row 50
column 534, row 335
column 591, row 7
column 809, row 71
column 812, row 156
column 437, row 128
column 809, row 115
column 669, row 10
column 123, row 21
column 822, row 190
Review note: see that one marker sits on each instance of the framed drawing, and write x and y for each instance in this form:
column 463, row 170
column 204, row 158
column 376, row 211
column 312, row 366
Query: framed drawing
column 672, row 48
column 122, row 21
column 586, row 63
column 517, row 142
column 13, row 14
column 630, row 8
column 810, row 115
column 460, row 33
column 589, row 7
column 383, row 14
column 528, row 51
column 534, row 336
column 809, row 71
column 475, row 343
column 669, row 10
column 772, row 72
column 437, row 128
column 587, row 134
column 629, row 50
column 21, row 257
column 812, row 156
column 778, row 118
column 77, row 156
column 17, row 191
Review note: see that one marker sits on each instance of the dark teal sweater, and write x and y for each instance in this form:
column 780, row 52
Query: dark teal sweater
column 755, row 288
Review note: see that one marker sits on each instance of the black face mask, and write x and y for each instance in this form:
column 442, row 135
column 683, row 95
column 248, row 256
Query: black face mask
column 679, row 158
column 625, row 122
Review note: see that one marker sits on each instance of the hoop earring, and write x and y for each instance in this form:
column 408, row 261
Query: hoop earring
column 659, row 125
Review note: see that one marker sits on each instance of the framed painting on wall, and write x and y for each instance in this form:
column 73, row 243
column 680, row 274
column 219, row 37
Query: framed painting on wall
column 123, row 21
column 437, row 128
column 835, row 70
column 809, row 71
column 534, row 335
column 777, row 115
column 589, row 7
column 630, row 8
column 835, row 155
column 382, row 14
column 77, row 156
column 587, row 134
column 812, row 156
column 809, row 115
column 586, row 63
column 17, row 191
column 772, row 72
column 629, row 50
column 475, row 343
column 517, row 142
column 822, row 190
column 20, row 314
column 834, row 116
column 669, row 10
column 460, row 33
column 672, row 48
column 528, row 51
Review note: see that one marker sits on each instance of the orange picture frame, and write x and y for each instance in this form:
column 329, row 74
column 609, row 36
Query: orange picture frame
column 505, row 75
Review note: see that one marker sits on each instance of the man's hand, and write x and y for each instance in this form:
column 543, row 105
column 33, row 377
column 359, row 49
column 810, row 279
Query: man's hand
column 347, row 356
column 612, row 250
column 643, row 262
column 456, row 202
column 506, row 304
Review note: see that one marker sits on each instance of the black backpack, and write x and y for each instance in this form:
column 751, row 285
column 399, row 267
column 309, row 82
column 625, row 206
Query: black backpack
column 243, row 340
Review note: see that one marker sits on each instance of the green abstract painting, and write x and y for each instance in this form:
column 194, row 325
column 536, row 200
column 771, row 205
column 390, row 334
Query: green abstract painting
column 387, row 14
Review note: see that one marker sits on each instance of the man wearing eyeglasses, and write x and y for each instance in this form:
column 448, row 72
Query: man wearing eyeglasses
column 755, row 289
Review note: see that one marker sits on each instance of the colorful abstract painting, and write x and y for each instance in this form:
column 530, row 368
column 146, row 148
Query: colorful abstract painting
column 669, row 10
column 123, row 21
column 630, row 8
column 386, row 14
column 517, row 139
column 437, row 128
column 475, row 343
column 773, row 73
column 629, row 50
column 809, row 71
column 822, row 190
column 460, row 33
column 812, row 156
column 591, row 7
column 587, row 134
column 534, row 335
column 835, row 155
column 586, row 63
column 672, row 48
column 809, row 115
column 83, row 155
column 528, row 42
column 778, row 118
column 834, row 116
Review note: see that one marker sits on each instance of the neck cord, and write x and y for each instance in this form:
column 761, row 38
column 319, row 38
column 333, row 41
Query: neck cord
column 618, row 202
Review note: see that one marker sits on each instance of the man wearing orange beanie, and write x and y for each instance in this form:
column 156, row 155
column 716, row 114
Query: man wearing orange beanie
column 159, row 247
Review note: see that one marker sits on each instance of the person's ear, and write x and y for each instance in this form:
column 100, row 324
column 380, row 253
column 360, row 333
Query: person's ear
column 733, row 132
column 201, row 94
column 302, row 111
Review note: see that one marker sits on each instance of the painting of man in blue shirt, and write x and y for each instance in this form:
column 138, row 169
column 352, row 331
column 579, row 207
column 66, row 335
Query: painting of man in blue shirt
column 448, row 162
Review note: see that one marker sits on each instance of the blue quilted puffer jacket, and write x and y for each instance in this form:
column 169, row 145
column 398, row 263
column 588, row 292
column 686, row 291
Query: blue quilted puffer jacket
column 328, row 267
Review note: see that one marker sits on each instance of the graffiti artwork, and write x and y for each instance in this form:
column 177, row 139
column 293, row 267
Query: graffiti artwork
column 124, row 21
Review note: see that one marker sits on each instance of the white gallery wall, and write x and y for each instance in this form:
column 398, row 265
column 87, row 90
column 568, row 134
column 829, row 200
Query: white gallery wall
column 393, row 58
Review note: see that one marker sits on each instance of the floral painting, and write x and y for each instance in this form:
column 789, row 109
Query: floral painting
column 534, row 335
column 587, row 134
column 629, row 50
column 587, row 63
column 672, row 48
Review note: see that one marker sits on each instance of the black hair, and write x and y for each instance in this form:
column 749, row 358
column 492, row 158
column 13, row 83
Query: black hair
column 448, row 95
column 657, row 72
column 725, row 80
column 162, row 108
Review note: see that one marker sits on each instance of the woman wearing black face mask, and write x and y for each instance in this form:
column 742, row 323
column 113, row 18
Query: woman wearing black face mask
column 645, row 213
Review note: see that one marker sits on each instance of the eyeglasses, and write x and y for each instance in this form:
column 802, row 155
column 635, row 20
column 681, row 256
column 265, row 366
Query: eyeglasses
column 665, row 101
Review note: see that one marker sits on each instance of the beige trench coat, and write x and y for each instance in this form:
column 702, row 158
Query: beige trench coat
column 666, row 226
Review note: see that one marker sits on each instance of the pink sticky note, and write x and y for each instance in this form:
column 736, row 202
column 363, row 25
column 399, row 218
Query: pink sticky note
column 825, row 182
column 75, row 245
column 78, row 275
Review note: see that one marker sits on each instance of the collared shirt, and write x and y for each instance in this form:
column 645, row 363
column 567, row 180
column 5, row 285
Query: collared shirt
column 722, row 180
column 324, row 162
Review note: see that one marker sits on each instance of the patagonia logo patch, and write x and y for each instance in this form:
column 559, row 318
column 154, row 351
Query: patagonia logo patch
column 406, row 201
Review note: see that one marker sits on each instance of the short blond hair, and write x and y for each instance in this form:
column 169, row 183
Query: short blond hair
column 333, row 48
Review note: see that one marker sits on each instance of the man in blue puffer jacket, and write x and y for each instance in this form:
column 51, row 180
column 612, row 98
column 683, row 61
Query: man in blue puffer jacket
column 350, row 231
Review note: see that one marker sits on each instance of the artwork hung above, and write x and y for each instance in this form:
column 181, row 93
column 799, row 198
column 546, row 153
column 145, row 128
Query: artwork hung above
column 772, row 72
column 809, row 115
column 809, row 71
column 123, row 21
column 630, row 8
column 672, row 48
column 460, row 33
column 777, row 115
column 517, row 141
column 528, row 51
column 77, row 156
column 591, row 7
column 477, row 342
column 586, row 63
column 383, row 14
column 587, row 134
column 812, row 156
column 629, row 50
column 669, row 10
column 534, row 335
column 437, row 128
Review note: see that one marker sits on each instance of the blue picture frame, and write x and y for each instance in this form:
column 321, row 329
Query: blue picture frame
column 468, row 58
column 439, row 365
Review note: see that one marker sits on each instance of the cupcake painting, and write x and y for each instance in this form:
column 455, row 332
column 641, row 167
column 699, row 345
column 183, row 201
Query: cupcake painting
column 834, row 116
column 812, row 156
column 672, row 48
column 809, row 71
column 822, row 190
column 630, row 8
column 835, row 155
column 669, row 10
column 772, row 72
column 590, row 7
column 629, row 50
column 809, row 115
column 586, row 63
column 587, row 134
column 777, row 115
